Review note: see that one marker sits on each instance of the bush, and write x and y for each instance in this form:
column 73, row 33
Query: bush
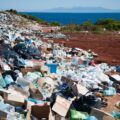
column 109, row 24
column 30, row 17
column 33, row 18
column 98, row 27
column 87, row 25
column 12, row 11
column 55, row 24
column 71, row 28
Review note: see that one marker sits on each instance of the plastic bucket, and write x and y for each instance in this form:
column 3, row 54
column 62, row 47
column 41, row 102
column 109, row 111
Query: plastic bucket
column 52, row 67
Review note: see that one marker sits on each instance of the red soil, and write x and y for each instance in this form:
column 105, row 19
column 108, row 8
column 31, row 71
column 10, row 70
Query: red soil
column 107, row 46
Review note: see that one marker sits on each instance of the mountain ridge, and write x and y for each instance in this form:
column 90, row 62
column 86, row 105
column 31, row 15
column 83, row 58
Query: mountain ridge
column 81, row 10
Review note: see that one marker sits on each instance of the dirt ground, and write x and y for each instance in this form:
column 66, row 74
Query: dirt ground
column 111, row 104
column 106, row 45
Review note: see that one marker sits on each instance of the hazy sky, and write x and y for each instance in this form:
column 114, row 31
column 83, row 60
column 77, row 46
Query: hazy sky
column 38, row 5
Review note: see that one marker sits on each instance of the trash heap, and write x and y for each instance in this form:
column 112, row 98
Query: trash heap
column 54, row 35
column 48, row 81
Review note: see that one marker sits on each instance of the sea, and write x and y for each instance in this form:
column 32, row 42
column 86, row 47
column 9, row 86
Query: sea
column 73, row 18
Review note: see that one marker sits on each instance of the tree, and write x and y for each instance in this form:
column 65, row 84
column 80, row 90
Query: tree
column 33, row 18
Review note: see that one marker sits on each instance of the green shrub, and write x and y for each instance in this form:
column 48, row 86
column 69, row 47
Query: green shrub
column 109, row 24
column 55, row 24
column 12, row 11
column 33, row 18
column 87, row 25
column 71, row 28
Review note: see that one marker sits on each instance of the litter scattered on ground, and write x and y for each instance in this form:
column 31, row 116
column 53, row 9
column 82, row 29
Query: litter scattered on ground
column 47, row 81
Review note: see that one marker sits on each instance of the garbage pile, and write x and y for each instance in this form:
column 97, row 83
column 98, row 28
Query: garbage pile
column 48, row 81
column 54, row 35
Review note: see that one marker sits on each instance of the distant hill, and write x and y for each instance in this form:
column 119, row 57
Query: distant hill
column 82, row 10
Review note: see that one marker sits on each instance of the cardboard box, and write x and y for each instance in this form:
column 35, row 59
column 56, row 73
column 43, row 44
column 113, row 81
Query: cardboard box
column 42, row 112
column 15, row 100
column 79, row 89
column 35, row 93
column 68, row 81
column 19, row 90
column 61, row 106
column 13, row 97
column 32, row 88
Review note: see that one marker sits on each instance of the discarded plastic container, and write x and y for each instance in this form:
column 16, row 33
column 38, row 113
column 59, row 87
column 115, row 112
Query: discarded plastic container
column 74, row 61
column 111, row 91
column 35, row 101
column 53, row 67
column 116, row 115
column 118, row 68
column 91, row 118
column 5, row 67
column 76, row 115
column 2, row 81
column 86, row 62
column 8, row 79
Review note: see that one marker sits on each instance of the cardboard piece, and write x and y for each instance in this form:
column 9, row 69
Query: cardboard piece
column 115, row 77
column 3, row 115
column 18, row 90
column 79, row 89
column 61, row 106
column 13, row 96
column 28, row 105
column 68, row 81
column 53, row 76
column 44, row 69
column 28, row 115
column 101, row 115
column 41, row 82
column 38, row 63
column 26, row 70
column 14, row 99
column 35, row 93
column 32, row 88
column 5, row 67
column 64, row 79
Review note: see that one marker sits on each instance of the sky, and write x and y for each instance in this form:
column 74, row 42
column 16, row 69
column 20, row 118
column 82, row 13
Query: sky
column 41, row 5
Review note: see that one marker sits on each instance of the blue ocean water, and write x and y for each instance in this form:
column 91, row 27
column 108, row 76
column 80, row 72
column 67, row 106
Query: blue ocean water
column 75, row 18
